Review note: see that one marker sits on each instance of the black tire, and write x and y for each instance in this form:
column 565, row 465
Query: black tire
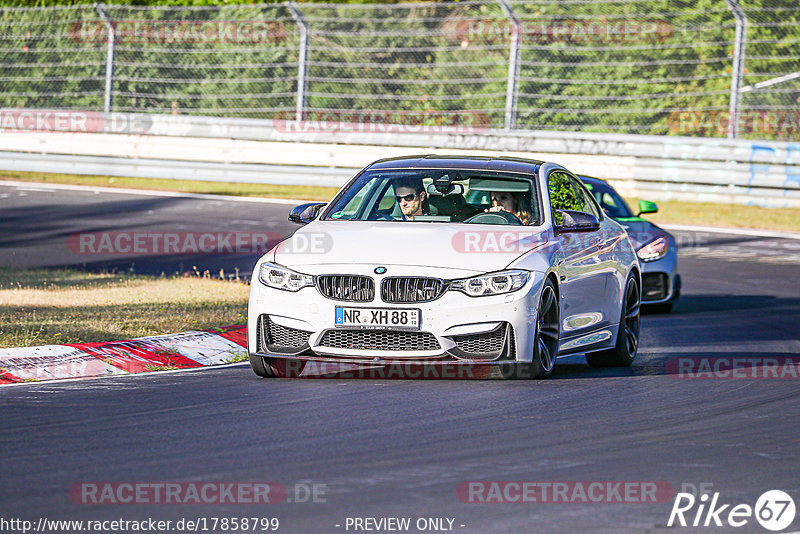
column 259, row 367
column 276, row 367
column 283, row 368
column 545, row 343
column 664, row 307
column 623, row 354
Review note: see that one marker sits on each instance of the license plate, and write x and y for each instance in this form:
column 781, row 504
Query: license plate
column 378, row 318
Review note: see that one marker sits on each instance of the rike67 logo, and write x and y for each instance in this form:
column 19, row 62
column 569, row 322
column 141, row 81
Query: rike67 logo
column 774, row 510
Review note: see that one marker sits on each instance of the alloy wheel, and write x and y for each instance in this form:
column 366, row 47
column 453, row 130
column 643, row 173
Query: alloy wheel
column 547, row 324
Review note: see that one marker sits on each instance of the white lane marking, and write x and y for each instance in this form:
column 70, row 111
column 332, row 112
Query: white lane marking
column 786, row 347
column 761, row 256
column 43, row 190
column 732, row 231
column 148, row 192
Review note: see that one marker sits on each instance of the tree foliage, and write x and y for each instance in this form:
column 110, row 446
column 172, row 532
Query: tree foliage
column 643, row 66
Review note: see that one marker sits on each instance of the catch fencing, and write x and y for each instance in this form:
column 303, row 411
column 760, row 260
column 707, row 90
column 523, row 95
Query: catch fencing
column 705, row 68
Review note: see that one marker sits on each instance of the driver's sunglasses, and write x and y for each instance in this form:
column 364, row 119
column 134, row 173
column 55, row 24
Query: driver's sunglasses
column 408, row 198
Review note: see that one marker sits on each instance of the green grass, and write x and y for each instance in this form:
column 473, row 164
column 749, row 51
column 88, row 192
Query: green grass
column 723, row 215
column 39, row 307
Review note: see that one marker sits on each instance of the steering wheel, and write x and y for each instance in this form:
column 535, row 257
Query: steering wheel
column 495, row 217
column 381, row 215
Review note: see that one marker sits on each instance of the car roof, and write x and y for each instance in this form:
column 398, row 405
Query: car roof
column 593, row 180
column 477, row 163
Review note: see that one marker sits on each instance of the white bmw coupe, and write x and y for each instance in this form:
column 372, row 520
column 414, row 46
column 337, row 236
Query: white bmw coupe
column 501, row 264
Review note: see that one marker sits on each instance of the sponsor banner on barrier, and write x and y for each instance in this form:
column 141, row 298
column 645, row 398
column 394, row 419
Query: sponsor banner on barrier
column 383, row 121
column 52, row 120
column 765, row 122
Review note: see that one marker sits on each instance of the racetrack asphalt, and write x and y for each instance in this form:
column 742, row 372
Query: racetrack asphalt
column 400, row 448
column 41, row 226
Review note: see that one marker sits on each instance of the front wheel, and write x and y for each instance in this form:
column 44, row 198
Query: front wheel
column 624, row 351
column 545, row 343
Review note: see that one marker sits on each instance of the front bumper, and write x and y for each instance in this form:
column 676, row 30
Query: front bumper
column 660, row 279
column 303, row 324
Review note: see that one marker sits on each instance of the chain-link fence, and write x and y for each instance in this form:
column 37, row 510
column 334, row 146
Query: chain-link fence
column 625, row 66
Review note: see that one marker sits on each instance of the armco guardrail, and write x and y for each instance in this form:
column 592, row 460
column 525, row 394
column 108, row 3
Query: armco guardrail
column 286, row 152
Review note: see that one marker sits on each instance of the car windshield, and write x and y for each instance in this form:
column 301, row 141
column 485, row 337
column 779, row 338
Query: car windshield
column 613, row 205
column 439, row 195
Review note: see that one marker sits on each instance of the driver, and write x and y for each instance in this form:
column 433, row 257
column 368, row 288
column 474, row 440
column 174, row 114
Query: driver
column 411, row 197
column 506, row 201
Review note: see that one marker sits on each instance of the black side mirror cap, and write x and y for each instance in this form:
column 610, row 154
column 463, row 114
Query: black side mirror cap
column 305, row 213
column 574, row 221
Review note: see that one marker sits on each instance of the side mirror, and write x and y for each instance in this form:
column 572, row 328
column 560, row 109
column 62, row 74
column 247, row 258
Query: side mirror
column 305, row 213
column 574, row 221
column 645, row 206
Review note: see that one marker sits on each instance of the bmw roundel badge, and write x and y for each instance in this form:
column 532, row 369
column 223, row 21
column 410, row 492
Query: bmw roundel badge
column 380, row 270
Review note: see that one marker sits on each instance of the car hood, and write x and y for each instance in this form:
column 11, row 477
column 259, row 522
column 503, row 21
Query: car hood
column 465, row 249
column 640, row 231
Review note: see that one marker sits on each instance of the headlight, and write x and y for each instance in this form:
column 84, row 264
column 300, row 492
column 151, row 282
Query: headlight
column 279, row 277
column 654, row 250
column 491, row 284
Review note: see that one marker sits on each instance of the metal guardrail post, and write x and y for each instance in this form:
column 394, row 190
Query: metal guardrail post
column 112, row 38
column 738, row 67
column 513, row 65
column 301, row 60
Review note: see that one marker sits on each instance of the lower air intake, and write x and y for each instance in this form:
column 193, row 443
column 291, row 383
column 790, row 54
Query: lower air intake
column 379, row 340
